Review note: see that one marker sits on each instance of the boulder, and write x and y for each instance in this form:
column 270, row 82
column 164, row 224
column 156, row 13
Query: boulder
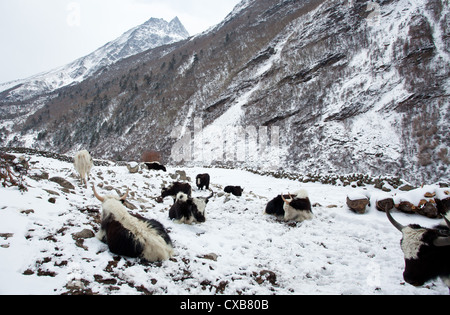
column 428, row 209
column 406, row 207
column 133, row 167
column 85, row 234
column 388, row 203
column 62, row 182
column 358, row 203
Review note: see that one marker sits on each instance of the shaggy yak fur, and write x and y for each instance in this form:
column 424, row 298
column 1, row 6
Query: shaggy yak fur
column 132, row 235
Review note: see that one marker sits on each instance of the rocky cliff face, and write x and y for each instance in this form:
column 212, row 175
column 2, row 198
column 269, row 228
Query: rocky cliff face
column 342, row 86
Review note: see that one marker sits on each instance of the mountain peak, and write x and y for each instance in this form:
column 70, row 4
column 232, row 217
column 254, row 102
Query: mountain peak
column 153, row 33
column 178, row 27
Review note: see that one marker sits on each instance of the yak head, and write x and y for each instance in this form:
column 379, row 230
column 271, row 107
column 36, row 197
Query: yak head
column 426, row 251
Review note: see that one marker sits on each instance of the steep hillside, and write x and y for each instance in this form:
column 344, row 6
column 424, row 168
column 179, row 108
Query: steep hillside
column 351, row 86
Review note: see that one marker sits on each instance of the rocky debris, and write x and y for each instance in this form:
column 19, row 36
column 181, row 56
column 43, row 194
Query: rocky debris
column 62, row 182
column 181, row 176
column 40, row 176
column 52, row 192
column 422, row 201
column 211, row 256
column 85, row 234
column 384, row 204
column 6, row 235
column 266, row 276
column 358, row 203
column 29, row 211
column 133, row 167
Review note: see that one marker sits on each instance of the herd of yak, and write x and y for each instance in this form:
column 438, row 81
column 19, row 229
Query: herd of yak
column 426, row 251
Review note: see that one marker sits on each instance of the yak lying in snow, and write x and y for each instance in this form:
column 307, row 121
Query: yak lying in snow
column 291, row 208
column 129, row 235
column 188, row 210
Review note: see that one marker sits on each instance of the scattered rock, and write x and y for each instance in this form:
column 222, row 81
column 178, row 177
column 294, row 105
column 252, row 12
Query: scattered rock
column 133, row 167
column 85, row 234
column 407, row 188
column 358, row 205
column 211, row 256
column 80, row 243
column 46, row 273
column 266, row 276
column 62, row 182
column 41, row 176
column 99, row 279
column 51, row 192
column 180, row 176
column 428, row 209
column 6, row 235
column 52, row 200
column 406, row 207
column 425, row 208
column 388, row 203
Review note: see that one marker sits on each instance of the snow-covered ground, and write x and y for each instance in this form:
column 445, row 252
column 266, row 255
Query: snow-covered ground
column 239, row 250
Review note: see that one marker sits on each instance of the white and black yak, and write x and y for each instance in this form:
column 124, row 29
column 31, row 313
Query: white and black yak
column 187, row 210
column 83, row 164
column 426, row 251
column 291, row 208
column 131, row 235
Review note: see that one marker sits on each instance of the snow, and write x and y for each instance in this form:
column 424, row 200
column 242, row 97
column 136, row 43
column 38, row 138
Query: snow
column 236, row 251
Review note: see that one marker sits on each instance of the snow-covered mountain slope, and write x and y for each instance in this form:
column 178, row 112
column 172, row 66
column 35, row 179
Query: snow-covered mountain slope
column 153, row 33
column 352, row 86
column 238, row 250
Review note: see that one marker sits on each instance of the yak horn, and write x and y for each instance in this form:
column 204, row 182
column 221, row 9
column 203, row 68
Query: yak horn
column 442, row 241
column 284, row 199
column 212, row 194
column 124, row 197
column 397, row 225
column 447, row 221
column 101, row 199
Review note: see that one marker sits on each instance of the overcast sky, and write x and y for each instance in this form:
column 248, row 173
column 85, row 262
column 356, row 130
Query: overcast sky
column 40, row 35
